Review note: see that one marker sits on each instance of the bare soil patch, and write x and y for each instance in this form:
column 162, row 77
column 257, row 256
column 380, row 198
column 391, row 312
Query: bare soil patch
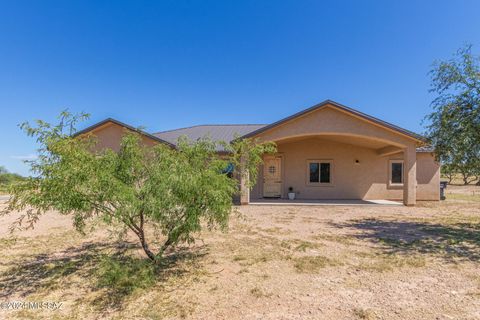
column 274, row 263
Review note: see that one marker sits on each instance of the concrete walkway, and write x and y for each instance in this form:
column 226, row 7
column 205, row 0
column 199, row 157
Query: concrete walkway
column 4, row 197
column 353, row 202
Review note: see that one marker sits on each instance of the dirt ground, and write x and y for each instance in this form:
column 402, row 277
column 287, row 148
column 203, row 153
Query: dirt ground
column 282, row 262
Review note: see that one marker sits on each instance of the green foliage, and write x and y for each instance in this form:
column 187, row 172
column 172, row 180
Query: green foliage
column 125, row 275
column 454, row 126
column 7, row 179
column 173, row 191
column 247, row 154
column 448, row 171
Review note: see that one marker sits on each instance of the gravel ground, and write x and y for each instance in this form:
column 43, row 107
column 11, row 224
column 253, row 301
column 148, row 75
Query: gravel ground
column 276, row 262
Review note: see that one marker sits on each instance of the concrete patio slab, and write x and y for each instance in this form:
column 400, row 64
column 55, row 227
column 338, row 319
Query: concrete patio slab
column 299, row 202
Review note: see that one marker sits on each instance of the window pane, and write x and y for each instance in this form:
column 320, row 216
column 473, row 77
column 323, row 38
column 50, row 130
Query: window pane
column 314, row 174
column 397, row 172
column 325, row 172
column 272, row 170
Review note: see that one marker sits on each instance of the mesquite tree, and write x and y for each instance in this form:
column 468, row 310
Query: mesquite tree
column 170, row 191
column 454, row 126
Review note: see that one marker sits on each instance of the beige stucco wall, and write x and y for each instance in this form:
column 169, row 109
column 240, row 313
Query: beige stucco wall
column 428, row 177
column 110, row 136
column 366, row 180
column 314, row 134
column 331, row 121
column 307, row 137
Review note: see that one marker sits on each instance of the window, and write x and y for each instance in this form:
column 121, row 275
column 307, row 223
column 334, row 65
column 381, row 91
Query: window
column 396, row 172
column 319, row 172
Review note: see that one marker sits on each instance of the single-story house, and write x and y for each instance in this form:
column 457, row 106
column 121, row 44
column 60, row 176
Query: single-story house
column 328, row 151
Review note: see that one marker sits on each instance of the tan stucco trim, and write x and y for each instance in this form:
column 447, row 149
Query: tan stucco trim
column 332, row 105
column 376, row 124
column 331, row 122
column 97, row 127
column 108, row 124
column 345, row 134
column 387, row 151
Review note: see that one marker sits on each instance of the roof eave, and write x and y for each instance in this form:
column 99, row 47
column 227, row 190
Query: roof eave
column 129, row 127
column 390, row 126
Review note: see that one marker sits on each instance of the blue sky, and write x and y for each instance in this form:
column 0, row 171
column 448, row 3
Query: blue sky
column 168, row 64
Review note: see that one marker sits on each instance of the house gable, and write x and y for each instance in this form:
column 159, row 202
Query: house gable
column 109, row 133
column 329, row 118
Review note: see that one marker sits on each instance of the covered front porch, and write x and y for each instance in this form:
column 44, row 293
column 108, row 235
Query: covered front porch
column 330, row 154
column 331, row 168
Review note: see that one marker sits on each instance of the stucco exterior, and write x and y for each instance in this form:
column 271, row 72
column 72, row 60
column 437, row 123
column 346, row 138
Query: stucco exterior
column 428, row 177
column 110, row 134
column 359, row 150
column 357, row 172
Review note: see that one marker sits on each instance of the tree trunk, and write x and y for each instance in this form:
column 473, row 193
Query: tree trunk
column 143, row 241
column 147, row 250
column 450, row 178
column 138, row 230
column 167, row 244
column 465, row 179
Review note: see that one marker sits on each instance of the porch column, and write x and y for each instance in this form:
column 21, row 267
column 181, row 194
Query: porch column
column 244, row 181
column 410, row 175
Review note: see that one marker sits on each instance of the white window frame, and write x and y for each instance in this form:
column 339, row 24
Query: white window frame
column 319, row 184
column 390, row 163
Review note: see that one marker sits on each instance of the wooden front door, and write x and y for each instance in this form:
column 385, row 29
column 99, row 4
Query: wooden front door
column 272, row 177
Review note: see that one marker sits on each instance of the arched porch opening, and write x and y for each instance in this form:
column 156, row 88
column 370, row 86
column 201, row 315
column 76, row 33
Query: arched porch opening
column 337, row 166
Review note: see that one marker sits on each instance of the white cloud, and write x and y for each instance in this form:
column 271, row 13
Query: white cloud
column 25, row 157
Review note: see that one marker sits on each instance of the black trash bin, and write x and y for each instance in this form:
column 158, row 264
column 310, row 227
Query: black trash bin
column 443, row 186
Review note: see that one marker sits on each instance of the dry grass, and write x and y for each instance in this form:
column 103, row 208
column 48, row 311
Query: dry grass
column 259, row 293
column 275, row 262
column 388, row 263
column 364, row 314
column 465, row 197
column 313, row 264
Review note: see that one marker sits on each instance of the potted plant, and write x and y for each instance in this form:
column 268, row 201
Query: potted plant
column 291, row 194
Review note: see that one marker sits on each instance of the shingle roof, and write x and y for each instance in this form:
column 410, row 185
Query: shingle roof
column 221, row 132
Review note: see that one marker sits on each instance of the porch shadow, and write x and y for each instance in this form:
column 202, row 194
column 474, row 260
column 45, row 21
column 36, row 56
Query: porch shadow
column 451, row 242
